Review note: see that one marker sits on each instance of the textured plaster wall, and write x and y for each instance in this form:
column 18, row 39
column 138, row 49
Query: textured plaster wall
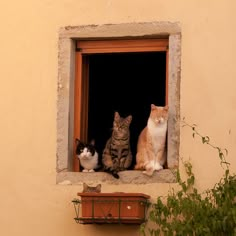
column 31, row 202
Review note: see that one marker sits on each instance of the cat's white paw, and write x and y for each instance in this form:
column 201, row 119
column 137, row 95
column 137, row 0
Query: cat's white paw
column 85, row 170
column 91, row 170
column 159, row 167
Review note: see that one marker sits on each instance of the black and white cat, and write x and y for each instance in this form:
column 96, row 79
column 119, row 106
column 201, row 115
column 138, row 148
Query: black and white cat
column 87, row 155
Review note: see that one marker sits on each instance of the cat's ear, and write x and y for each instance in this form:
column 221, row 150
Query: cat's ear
column 117, row 116
column 128, row 119
column 85, row 186
column 92, row 142
column 99, row 187
column 166, row 108
column 153, row 107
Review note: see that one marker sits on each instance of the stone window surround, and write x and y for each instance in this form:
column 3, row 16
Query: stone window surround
column 65, row 98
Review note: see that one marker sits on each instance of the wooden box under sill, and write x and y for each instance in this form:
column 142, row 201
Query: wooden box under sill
column 116, row 208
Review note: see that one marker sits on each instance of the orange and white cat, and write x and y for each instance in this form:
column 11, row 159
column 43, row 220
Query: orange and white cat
column 151, row 147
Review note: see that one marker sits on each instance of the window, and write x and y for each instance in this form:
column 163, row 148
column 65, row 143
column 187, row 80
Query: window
column 88, row 57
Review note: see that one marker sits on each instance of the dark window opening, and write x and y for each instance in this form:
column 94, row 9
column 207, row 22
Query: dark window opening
column 128, row 83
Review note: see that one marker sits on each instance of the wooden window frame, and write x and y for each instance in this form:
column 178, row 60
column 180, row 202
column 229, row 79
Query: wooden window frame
column 88, row 47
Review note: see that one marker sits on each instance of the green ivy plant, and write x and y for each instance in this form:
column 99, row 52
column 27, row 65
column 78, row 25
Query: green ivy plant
column 187, row 212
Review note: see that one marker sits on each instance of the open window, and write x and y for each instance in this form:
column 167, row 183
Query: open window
column 117, row 75
column 116, row 63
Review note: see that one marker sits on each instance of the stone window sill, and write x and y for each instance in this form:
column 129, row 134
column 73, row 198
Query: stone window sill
column 126, row 177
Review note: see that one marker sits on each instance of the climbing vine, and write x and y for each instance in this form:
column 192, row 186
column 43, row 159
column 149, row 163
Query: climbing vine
column 187, row 212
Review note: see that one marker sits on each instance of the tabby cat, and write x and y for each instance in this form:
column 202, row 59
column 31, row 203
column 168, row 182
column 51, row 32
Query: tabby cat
column 117, row 154
column 91, row 189
column 87, row 155
column 151, row 147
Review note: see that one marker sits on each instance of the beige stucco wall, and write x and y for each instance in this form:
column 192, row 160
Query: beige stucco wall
column 31, row 202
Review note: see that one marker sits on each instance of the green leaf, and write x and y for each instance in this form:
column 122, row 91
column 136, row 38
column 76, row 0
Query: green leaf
column 188, row 212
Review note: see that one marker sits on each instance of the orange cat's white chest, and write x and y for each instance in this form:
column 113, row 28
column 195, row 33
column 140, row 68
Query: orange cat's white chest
column 157, row 133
